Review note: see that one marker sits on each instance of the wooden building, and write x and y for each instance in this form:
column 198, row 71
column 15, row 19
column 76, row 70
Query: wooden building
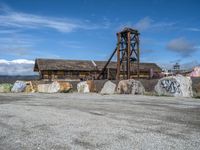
column 85, row 69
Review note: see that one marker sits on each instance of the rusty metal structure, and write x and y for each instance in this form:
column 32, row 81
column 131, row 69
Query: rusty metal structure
column 128, row 52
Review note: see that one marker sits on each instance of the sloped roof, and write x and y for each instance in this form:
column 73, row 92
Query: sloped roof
column 84, row 65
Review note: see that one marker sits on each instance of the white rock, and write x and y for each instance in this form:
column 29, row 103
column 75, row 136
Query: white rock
column 178, row 86
column 108, row 88
column 54, row 87
column 19, row 86
column 83, row 87
column 130, row 86
column 43, row 88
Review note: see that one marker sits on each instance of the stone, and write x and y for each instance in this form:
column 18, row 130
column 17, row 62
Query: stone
column 19, row 86
column 130, row 86
column 43, row 88
column 108, row 88
column 5, row 88
column 178, row 86
column 65, row 87
column 54, row 87
column 29, row 87
column 83, row 87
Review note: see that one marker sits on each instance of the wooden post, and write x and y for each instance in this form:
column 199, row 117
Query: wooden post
column 128, row 54
column 138, row 56
column 118, row 56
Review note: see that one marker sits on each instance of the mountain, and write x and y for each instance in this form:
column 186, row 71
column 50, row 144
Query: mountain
column 12, row 79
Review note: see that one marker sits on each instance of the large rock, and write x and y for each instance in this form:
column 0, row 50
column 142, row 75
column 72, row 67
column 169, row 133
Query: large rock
column 19, row 86
column 29, row 87
column 5, row 87
column 108, row 88
column 86, row 86
column 130, row 86
column 43, row 88
column 65, row 87
column 55, row 87
column 175, row 86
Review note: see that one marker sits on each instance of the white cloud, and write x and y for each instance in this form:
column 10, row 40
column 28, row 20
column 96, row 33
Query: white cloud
column 16, row 67
column 16, row 44
column 148, row 23
column 193, row 29
column 144, row 23
column 182, row 46
column 10, row 18
column 8, row 31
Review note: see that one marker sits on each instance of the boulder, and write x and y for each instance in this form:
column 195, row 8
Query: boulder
column 43, row 88
column 5, row 87
column 130, row 86
column 65, row 86
column 178, row 86
column 83, row 87
column 54, row 87
column 108, row 88
column 29, row 87
column 19, row 86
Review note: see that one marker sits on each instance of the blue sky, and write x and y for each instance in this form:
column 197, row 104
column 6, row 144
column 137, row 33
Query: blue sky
column 86, row 29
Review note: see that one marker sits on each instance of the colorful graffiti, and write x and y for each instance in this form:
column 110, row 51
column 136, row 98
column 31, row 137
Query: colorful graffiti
column 171, row 86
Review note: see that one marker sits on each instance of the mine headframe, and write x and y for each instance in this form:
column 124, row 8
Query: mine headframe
column 128, row 53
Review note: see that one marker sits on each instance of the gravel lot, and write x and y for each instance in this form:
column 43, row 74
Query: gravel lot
column 92, row 121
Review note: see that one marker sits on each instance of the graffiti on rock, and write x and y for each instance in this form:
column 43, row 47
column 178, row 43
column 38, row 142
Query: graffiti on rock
column 171, row 86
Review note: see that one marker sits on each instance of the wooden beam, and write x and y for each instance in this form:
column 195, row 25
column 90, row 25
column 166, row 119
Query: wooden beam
column 118, row 56
column 128, row 54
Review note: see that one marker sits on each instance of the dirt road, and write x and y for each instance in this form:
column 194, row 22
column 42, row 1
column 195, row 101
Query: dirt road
column 91, row 121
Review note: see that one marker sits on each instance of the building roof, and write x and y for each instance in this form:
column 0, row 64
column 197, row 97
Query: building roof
column 85, row 65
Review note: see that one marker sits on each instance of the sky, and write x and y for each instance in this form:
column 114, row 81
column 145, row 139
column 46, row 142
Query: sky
column 86, row 29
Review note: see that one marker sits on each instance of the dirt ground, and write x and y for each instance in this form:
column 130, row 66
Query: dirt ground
column 92, row 121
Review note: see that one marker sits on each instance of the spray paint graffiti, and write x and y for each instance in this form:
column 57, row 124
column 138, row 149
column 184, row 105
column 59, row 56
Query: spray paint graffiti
column 171, row 86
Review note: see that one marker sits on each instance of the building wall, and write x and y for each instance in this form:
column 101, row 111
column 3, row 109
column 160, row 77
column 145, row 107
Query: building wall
column 84, row 75
column 67, row 75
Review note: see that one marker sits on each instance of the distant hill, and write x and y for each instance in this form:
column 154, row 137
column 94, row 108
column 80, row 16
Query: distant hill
column 12, row 79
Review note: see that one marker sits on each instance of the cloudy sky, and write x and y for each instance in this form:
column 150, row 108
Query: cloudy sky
column 86, row 29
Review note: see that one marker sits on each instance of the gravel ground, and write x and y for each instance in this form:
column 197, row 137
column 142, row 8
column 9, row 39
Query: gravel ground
column 92, row 121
